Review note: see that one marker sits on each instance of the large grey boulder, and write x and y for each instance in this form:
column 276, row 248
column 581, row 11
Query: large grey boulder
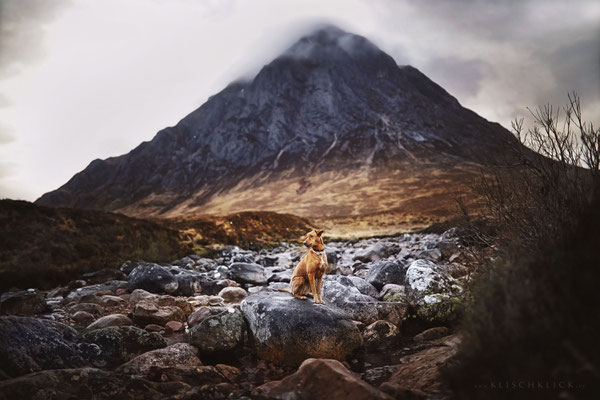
column 426, row 277
column 384, row 272
column 153, row 278
column 435, row 293
column 247, row 273
column 30, row 344
column 287, row 330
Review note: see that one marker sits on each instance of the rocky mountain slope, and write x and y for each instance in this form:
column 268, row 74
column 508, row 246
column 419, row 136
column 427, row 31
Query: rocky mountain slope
column 332, row 127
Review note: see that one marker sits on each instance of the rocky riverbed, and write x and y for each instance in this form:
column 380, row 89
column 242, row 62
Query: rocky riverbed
column 216, row 328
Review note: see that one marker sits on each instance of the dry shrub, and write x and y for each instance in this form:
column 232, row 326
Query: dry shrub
column 534, row 311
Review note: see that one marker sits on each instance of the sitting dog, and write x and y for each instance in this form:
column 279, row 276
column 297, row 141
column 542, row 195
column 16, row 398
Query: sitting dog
column 308, row 274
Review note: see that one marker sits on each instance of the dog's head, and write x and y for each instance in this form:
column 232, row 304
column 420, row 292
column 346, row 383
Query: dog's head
column 314, row 241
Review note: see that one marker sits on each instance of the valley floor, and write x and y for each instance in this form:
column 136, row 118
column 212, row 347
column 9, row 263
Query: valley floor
column 216, row 328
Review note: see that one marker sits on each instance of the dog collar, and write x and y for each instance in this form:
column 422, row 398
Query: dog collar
column 319, row 253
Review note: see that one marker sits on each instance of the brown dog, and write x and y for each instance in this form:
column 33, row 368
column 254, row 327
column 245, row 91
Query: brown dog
column 308, row 274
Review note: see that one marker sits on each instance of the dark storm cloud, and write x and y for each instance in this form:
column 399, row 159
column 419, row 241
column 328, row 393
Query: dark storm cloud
column 499, row 57
column 579, row 64
column 22, row 31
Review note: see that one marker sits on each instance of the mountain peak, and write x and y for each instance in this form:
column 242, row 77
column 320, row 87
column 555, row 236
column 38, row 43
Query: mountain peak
column 331, row 40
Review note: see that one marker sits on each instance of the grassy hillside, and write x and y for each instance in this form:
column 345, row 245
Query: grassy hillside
column 43, row 247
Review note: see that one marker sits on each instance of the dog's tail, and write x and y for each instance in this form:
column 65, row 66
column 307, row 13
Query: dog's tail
column 284, row 290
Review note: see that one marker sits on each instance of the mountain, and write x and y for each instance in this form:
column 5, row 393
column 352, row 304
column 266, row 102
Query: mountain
column 332, row 127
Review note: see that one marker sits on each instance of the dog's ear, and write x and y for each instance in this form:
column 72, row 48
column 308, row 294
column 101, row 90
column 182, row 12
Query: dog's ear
column 319, row 232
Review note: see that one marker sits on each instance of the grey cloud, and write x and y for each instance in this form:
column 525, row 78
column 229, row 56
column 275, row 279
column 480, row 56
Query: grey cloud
column 4, row 101
column 6, row 134
column 22, row 30
column 458, row 76
column 502, row 56
column 579, row 64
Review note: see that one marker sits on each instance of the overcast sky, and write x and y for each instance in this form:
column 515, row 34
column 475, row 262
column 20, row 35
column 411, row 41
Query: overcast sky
column 87, row 79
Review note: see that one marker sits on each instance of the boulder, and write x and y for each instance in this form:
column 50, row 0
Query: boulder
column 392, row 292
column 26, row 302
column 202, row 313
column 185, row 262
column 198, row 301
column 421, row 371
column 214, row 286
column 431, row 334
column 424, row 276
column 147, row 312
column 176, row 355
column 79, row 294
column 381, row 335
column 434, row 255
column 112, row 301
column 287, row 330
column 103, row 275
column 140, row 294
column 319, row 379
column 154, row 328
column 83, row 318
column 247, row 273
column 119, row 344
column 110, row 320
column 358, row 306
column 233, row 294
column 283, row 276
column 153, row 278
column 219, row 333
column 243, row 258
column 174, row 326
column 392, row 312
column 384, row 272
column 92, row 308
column 375, row 252
column 30, row 344
column 188, row 282
column 362, row 285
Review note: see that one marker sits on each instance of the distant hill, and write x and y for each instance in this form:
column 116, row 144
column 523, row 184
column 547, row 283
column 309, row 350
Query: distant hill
column 43, row 247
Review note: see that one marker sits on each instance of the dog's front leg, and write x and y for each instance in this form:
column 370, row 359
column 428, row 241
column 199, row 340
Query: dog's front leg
column 313, row 287
column 319, row 286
